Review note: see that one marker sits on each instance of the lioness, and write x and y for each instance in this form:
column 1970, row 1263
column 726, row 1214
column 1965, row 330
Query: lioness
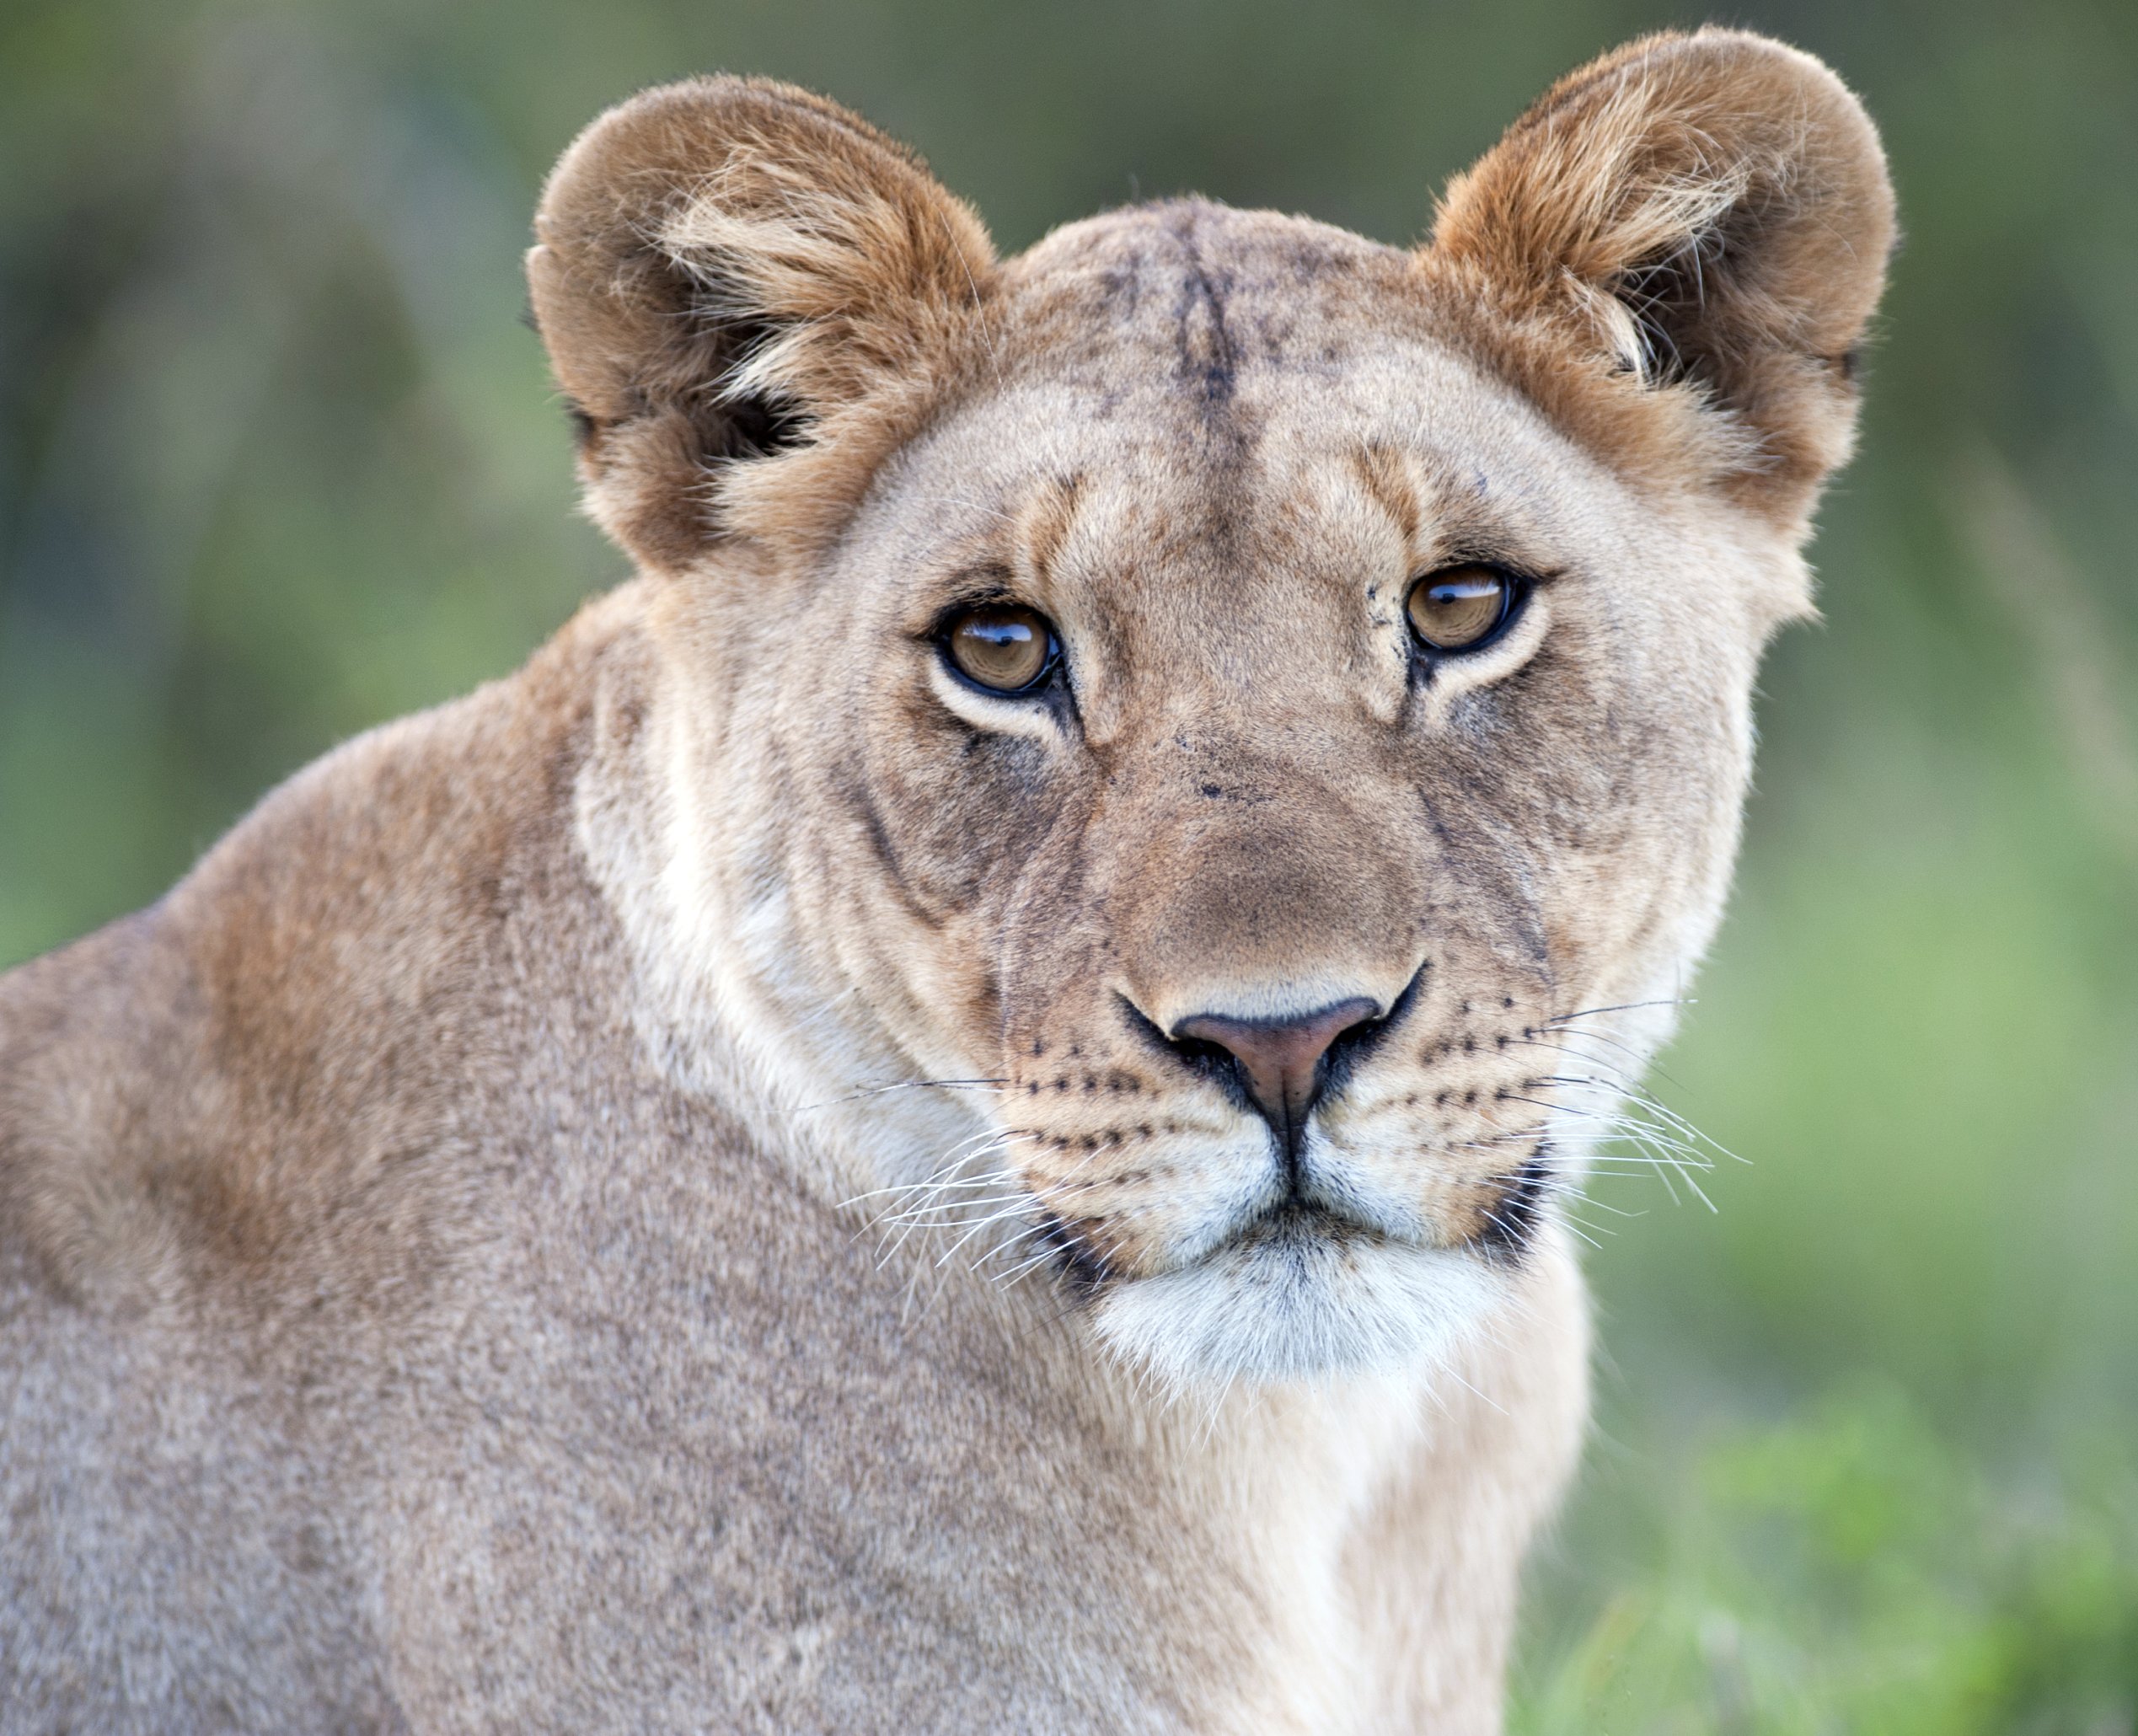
column 951, row 1113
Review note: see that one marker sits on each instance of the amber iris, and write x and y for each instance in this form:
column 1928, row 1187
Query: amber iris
column 1001, row 646
column 1460, row 606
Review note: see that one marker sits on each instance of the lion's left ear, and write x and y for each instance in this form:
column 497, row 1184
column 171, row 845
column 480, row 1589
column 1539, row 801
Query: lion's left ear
column 1707, row 216
column 749, row 295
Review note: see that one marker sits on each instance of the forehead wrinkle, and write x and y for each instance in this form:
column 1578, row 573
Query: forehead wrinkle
column 1115, row 530
column 1091, row 586
column 1145, row 608
column 1042, row 525
column 1179, row 303
column 1386, row 475
column 1447, row 508
column 1477, row 513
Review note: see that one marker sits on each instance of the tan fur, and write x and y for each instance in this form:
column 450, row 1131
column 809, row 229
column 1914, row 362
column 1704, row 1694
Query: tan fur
column 656, row 1197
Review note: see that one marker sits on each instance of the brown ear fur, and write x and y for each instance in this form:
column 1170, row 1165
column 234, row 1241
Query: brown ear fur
column 730, row 270
column 1706, row 219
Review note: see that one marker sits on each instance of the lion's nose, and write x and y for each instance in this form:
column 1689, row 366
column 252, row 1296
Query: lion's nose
column 1279, row 1060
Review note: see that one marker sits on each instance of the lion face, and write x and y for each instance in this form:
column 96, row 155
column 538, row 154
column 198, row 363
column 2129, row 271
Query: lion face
column 1266, row 915
column 1266, row 714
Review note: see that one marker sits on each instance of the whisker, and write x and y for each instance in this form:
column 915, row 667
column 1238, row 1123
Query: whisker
column 1689, row 1139
column 1625, row 1006
column 904, row 1085
column 1666, row 1154
column 1634, row 1060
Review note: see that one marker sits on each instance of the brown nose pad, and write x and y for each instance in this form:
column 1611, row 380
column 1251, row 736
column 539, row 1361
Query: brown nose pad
column 1280, row 1059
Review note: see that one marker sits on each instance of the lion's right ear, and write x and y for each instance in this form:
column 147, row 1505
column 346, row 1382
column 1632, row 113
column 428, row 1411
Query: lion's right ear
column 749, row 295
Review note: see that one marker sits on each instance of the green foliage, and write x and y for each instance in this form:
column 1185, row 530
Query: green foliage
column 277, row 460
column 1851, row 1571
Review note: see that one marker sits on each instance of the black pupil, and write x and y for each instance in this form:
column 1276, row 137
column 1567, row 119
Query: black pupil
column 1463, row 591
column 1002, row 636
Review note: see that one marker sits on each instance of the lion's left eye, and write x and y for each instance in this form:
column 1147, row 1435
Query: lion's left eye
column 1001, row 646
column 1461, row 607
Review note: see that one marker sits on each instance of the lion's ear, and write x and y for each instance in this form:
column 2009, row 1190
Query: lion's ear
column 736, row 278
column 1708, row 215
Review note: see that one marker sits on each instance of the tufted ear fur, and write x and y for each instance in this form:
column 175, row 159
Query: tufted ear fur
column 1706, row 217
column 749, row 295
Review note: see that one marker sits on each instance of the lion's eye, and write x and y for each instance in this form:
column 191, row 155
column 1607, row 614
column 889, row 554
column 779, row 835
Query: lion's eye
column 1001, row 646
column 1460, row 608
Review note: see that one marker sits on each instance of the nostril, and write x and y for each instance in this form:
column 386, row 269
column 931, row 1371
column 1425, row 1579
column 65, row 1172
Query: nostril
column 1354, row 1037
column 1279, row 1061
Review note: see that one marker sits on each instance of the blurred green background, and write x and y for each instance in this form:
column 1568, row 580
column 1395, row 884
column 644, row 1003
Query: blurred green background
column 278, row 460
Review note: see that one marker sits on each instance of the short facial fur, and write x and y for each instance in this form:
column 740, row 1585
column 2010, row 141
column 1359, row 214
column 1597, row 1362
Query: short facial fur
column 726, row 1182
column 1215, row 449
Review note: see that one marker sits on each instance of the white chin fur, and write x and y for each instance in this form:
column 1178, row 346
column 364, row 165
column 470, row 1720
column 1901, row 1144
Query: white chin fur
column 1296, row 1305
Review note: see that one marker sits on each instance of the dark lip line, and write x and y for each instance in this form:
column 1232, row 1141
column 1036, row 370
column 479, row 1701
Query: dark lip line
column 1320, row 1220
column 1501, row 1242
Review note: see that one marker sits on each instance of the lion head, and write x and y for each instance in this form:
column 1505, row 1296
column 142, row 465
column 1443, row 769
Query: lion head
column 1257, row 717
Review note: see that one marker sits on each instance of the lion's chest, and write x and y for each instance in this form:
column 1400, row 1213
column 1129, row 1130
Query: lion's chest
column 719, row 1460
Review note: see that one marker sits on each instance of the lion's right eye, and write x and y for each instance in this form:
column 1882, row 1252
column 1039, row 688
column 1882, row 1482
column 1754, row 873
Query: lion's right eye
column 1001, row 646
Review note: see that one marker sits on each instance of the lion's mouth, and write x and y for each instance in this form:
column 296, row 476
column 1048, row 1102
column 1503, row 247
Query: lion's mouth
column 1314, row 1215
column 1291, row 1228
column 1274, row 1235
column 1299, row 1290
column 1295, row 1225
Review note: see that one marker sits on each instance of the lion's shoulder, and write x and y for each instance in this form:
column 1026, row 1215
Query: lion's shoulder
column 287, row 1037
